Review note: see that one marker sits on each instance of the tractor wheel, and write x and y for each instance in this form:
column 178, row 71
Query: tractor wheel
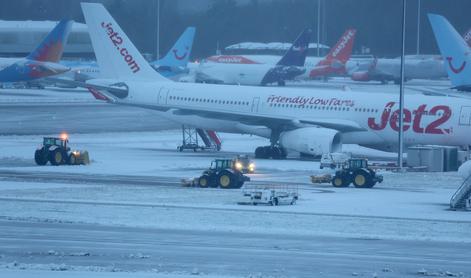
column 203, row 181
column 56, row 157
column 362, row 179
column 340, row 181
column 72, row 159
column 226, row 180
column 40, row 157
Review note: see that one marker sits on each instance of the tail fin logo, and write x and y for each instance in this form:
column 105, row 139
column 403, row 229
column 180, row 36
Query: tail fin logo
column 178, row 57
column 454, row 69
column 343, row 43
column 117, row 40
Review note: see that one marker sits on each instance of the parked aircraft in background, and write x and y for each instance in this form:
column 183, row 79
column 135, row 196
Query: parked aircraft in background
column 41, row 62
column 307, row 121
column 316, row 67
column 385, row 70
column 455, row 52
column 173, row 65
column 253, row 73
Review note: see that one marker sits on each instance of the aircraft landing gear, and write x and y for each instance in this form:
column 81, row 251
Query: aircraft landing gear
column 268, row 152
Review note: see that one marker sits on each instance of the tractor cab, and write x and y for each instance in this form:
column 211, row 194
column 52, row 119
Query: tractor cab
column 53, row 141
column 221, row 164
column 356, row 163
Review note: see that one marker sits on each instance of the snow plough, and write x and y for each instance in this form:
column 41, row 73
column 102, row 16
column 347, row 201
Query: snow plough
column 56, row 151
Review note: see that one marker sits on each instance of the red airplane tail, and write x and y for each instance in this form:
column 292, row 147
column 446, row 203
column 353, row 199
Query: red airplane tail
column 343, row 49
column 338, row 56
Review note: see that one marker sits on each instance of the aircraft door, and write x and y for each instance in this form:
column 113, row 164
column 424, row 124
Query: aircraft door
column 255, row 103
column 465, row 115
column 162, row 96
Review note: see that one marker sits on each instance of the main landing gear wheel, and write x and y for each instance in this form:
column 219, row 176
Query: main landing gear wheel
column 267, row 152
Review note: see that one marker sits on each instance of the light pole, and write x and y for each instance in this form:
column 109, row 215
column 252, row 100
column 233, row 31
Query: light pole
column 318, row 27
column 401, row 91
column 418, row 27
column 158, row 30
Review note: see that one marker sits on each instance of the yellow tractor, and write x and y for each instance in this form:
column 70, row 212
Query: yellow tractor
column 57, row 151
column 356, row 171
column 223, row 174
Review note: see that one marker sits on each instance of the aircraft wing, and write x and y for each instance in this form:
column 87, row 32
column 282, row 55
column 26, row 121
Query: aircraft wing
column 118, row 90
column 271, row 121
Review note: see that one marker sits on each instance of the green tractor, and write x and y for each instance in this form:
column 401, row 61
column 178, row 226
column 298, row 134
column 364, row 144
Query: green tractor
column 223, row 174
column 57, row 152
column 356, row 170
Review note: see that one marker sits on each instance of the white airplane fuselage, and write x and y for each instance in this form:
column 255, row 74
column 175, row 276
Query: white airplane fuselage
column 435, row 120
column 252, row 74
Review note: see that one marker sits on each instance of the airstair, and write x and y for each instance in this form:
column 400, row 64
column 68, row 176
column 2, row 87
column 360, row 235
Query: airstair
column 191, row 138
column 461, row 200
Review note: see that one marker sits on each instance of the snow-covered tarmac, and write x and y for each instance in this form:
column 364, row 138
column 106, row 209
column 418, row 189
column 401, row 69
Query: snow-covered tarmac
column 128, row 212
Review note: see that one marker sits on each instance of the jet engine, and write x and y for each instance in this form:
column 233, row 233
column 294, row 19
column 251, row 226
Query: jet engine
column 360, row 76
column 312, row 140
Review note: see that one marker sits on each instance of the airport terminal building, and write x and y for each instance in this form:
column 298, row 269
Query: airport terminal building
column 18, row 38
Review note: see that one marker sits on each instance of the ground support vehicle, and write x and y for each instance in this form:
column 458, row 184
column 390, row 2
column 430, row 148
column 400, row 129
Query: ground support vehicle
column 244, row 164
column 327, row 178
column 273, row 195
column 333, row 160
column 356, row 171
column 57, row 152
column 221, row 173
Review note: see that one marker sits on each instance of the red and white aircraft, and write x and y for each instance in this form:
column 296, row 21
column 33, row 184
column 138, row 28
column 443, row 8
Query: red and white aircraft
column 333, row 64
column 308, row 121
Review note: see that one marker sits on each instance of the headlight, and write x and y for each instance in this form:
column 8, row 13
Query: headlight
column 238, row 165
column 251, row 166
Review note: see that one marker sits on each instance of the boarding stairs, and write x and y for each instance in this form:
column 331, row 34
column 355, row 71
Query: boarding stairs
column 191, row 138
column 462, row 197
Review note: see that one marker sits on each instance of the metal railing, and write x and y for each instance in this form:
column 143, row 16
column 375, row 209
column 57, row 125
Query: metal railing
column 463, row 192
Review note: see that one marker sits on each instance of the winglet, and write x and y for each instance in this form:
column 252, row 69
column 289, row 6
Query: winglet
column 116, row 55
column 296, row 55
column 455, row 51
column 52, row 47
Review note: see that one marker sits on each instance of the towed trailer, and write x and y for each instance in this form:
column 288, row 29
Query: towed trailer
column 272, row 195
